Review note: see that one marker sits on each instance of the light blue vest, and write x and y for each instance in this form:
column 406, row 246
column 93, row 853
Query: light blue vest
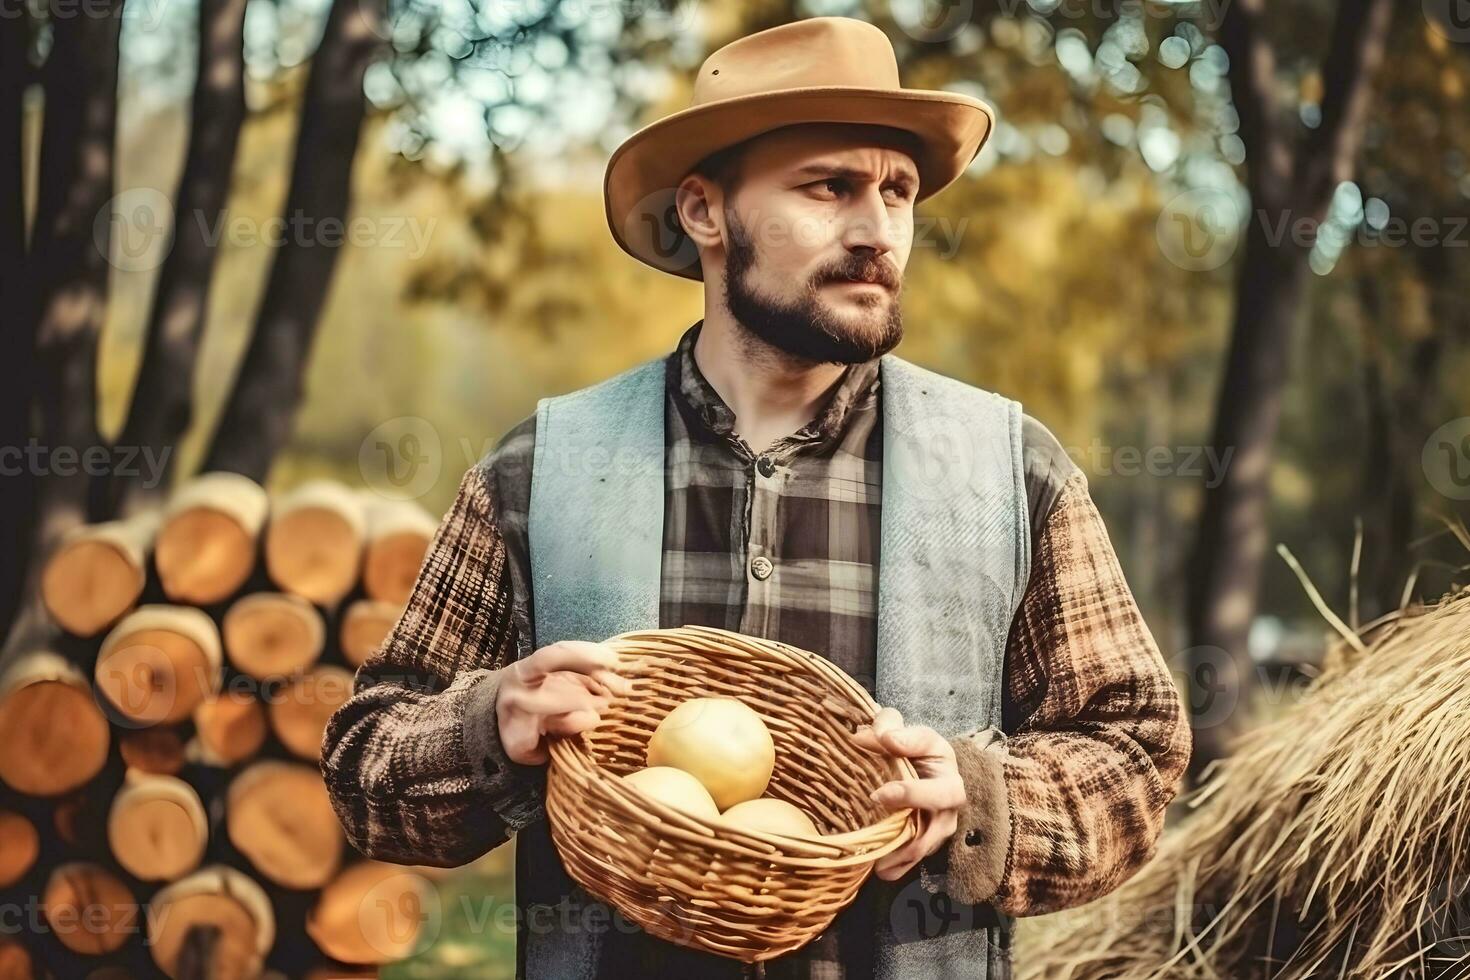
column 954, row 557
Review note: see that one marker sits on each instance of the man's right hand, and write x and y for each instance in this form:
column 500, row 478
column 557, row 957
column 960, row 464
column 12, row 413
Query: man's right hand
column 560, row 689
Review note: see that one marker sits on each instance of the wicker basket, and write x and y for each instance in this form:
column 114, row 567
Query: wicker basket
column 747, row 895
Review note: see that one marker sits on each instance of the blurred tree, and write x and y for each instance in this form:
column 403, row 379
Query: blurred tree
column 267, row 390
column 1291, row 179
column 16, row 493
column 1416, row 317
column 162, row 404
column 50, row 367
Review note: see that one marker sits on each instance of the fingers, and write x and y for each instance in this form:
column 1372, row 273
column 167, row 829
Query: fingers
column 898, row 863
column 594, row 659
column 613, row 682
column 944, row 792
column 912, row 741
column 556, row 694
column 571, row 722
column 886, row 720
column 560, row 689
column 522, row 742
column 561, row 705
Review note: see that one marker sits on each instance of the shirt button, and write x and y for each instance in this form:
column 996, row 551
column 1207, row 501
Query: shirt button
column 760, row 567
column 765, row 466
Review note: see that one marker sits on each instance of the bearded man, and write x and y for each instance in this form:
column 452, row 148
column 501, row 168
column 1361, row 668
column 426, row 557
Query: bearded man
column 783, row 474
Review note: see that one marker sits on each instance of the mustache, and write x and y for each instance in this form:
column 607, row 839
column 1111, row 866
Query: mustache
column 866, row 269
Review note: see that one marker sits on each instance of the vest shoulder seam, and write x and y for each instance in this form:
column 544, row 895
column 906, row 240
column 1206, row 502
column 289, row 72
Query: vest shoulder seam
column 941, row 379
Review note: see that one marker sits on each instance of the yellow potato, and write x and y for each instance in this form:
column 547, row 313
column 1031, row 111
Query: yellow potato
column 773, row 816
column 675, row 788
column 722, row 742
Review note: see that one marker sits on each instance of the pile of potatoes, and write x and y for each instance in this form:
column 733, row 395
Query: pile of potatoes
column 713, row 757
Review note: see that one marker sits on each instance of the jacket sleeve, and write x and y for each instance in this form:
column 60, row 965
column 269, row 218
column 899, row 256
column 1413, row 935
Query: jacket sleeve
column 1071, row 803
column 412, row 760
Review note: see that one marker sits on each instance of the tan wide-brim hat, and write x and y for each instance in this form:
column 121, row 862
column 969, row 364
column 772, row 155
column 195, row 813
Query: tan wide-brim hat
column 823, row 69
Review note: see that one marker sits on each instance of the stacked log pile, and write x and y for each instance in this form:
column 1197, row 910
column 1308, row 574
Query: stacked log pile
column 162, row 811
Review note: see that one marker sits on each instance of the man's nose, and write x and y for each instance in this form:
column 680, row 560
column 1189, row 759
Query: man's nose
column 870, row 225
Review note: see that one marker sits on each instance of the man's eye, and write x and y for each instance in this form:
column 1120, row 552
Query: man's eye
column 834, row 184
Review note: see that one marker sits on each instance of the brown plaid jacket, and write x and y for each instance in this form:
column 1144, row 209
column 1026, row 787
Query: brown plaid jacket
column 1062, row 808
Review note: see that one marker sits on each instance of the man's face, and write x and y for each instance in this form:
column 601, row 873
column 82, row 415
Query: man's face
column 819, row 226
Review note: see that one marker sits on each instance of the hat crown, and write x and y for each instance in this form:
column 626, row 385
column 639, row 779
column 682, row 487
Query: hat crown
column 816, row 52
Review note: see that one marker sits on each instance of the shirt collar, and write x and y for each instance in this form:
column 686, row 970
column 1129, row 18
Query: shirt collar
column 704, row 407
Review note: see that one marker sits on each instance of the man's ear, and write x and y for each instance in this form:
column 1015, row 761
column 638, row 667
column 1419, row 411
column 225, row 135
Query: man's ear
column 700, row 208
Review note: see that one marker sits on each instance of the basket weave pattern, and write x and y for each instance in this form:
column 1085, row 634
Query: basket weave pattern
column 706, row 884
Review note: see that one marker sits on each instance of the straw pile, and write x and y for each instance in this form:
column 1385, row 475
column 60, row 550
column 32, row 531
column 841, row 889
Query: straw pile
column 1332, row 843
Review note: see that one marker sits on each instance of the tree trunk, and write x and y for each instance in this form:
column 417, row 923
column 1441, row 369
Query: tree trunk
column 261, row 407
column 1396, row 410
column 68, row 270
column 16, row 325
column 1289, row 182
column 1234, row 527
column 163, row 403
column 14, row 75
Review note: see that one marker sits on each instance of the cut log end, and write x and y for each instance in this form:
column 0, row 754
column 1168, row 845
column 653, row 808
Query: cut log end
column 300, row 709
column 279, row 816
column 15, row 961
column 89, row 584
column 203, row 556
column 157, row 828
column 314, row 543
column 272, row 634
column 218, row 914
column 89, row 909
column 20, row 845
column 231, row 725
column 371, row 913
column 53, row 735
column 392, row 566
column 159, row 751
column 159, row 663
column 364, row 627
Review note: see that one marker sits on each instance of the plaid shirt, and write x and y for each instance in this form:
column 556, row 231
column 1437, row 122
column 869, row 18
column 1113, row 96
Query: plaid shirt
column 1064, row 806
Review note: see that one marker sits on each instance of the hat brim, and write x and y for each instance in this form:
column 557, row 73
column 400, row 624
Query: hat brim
column 643, row 173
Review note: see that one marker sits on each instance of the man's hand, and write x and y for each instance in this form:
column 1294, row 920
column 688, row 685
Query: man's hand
column 560, row 689
column 938, row 794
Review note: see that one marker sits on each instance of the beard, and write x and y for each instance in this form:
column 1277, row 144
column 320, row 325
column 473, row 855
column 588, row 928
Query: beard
column 806, row 327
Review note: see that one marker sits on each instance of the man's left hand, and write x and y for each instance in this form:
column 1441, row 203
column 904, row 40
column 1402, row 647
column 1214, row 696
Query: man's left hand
column 938, row 794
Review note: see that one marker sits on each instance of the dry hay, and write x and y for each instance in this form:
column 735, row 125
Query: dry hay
column 1332, row 843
